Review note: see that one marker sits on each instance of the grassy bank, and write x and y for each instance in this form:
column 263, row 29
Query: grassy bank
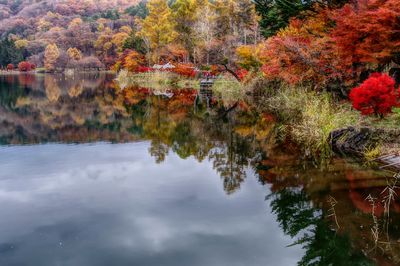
column 308, row 117
column 155, row 80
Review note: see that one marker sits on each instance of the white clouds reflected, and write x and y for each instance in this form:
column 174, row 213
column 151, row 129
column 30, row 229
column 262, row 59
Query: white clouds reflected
column 109, row 204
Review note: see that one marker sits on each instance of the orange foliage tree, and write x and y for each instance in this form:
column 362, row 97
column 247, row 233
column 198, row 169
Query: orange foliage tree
column 131, row 60
column 173, row 53
column 187, row 70
column 304, row 52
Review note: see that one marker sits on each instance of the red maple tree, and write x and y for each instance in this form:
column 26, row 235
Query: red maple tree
column 368, row 31
column 377, row 95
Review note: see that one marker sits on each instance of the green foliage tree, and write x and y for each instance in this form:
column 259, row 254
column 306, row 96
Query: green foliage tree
column 134, row 42
column 140, row 10
column 275, row 14
column 9, row 54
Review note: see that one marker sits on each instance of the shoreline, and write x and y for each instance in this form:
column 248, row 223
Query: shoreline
column 35, row 72
column 382, row 144
column 374, row 141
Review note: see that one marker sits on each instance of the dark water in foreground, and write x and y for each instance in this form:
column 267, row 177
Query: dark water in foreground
column 92, row 175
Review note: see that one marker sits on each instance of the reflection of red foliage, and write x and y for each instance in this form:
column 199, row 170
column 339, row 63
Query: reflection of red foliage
column 377, row 95
column 268, row 118
column 10, row 67
column 362, row 204
column 243, row 106
column 24, row 66
column 135, row 95
column 359, row 191
column 26, row 80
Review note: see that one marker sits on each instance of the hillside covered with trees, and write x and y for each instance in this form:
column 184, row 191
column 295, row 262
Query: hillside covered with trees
column 63, row 33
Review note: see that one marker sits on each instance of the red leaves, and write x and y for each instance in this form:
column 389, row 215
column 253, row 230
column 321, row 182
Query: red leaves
column 25, row 66
column 334, row 46
column 144, row 69
column 242, row 73
column 368, row 31
column 377, row 95
column 10, row 67
column 186, row 70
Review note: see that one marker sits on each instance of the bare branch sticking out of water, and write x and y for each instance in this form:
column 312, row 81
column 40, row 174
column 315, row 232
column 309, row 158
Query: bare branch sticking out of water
column 390, row 193
column 375, row 227
column 332, row 212
column 389, row 196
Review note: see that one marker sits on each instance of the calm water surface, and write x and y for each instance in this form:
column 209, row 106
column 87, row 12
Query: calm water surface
column 93, row 175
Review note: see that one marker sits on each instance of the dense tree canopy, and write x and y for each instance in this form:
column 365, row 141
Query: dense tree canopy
column 9, row 53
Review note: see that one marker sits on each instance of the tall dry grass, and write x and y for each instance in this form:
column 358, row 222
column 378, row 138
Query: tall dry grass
column 309, row 117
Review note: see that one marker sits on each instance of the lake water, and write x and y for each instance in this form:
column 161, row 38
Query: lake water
column 93, row 175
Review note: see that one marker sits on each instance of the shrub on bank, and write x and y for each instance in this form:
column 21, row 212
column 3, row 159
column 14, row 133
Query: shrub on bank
column 24, row 66
column 10, row 67
column 376, row 96
column 154, row 80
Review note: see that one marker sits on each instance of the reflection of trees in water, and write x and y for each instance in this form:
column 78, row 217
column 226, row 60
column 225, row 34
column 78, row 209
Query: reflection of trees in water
column 53, row 92
column 78, row 113
column 299, row 219
column 159, row 151
column 230, row 159
column 301, row 197
column 172, row 124
column 9, row 94
column 58, row 108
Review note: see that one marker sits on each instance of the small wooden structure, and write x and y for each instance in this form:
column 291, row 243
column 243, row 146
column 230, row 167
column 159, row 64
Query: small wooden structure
column 206, row 83
column 206, row 93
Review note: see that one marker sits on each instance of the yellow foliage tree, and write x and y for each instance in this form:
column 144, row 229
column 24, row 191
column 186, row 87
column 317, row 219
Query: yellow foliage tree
column 158, row 28
column 247, row 57
column 43, row 25
column 19, row 44
column 125, row 29
column 74, row 53
column 51, row 55
column 185, row 14
column 119, row 38
column 75, row 23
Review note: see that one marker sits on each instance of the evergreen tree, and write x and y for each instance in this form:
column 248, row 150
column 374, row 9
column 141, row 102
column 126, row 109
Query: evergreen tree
column 275, row 14
column 134, row 42
column 140, row 10
column 9, row 54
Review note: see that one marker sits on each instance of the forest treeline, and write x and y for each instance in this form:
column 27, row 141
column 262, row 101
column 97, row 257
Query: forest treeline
column 325, row 43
